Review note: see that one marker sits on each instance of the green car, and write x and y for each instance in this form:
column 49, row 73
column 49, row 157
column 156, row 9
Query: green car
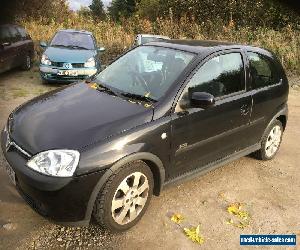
column 71, row 56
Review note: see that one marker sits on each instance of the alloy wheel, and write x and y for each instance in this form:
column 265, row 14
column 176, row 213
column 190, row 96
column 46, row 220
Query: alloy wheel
column 28, row 62
column 130, row 198
column 273, row 141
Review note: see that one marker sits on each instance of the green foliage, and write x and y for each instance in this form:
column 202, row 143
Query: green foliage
column 253, row 13
column 121, row 9
column 84, row 12
column 97, row 9
column 47, row 10
column 149, row 9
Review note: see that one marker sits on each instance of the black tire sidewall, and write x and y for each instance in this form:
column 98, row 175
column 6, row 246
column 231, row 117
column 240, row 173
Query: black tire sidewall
column 107, row 218
column 265, row 138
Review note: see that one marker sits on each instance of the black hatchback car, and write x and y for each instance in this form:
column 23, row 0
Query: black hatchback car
column 162, row 112
column 16, row 48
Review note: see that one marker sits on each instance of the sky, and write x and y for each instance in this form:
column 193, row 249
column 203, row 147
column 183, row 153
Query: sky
column 76, row 4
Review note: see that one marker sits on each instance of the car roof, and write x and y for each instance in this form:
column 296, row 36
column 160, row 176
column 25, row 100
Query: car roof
column 77, row 31
column 202, row 46
column 156, row 36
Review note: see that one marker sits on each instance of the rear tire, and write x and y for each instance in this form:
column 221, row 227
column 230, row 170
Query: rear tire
column 271, row 141
column 27, row 63
column 125, row 197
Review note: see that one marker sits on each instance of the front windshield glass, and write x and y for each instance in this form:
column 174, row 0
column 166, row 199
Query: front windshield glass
column 73, row 40
column 146, row 71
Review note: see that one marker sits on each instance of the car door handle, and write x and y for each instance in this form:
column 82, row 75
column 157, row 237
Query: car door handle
column 245, row 109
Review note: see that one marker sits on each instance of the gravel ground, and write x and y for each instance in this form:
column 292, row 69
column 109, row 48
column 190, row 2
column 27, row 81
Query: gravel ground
column 270, row 192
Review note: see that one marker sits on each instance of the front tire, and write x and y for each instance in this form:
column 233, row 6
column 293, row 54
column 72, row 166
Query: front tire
column 125, row 197
column 270, row 142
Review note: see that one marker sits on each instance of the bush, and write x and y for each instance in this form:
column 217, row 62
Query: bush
column 118, row 37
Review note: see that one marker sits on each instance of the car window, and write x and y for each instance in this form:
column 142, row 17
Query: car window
column 4, row 34
column 220, row 76
column 146, row 70
column 74, row 40
column 262, row 71
column 22, row 32
column 15, row 35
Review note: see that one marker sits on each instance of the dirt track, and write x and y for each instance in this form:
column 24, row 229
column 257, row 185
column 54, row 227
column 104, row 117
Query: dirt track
column 270, row 191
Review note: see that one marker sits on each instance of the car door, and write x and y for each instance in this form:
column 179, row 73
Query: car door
column 16, row 47
column 7, row 51
column 23, row 44
column 201, row 136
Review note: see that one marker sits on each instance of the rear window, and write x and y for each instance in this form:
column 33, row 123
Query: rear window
column 263, row 71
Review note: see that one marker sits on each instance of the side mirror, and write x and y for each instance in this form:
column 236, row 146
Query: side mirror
column 101, row 49
column 202, row 100
column 43, row 44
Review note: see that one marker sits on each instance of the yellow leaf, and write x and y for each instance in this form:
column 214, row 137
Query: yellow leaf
column 177, row 218
column 235, row 209
column 147, row 105
column 93, row 85
column 147, row 94
column 193, row 234
column 229, row 221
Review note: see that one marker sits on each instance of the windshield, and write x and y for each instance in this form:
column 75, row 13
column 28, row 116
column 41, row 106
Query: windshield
column 146, row 71
column 73, row 40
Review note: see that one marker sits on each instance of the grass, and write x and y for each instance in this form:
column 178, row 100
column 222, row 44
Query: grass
column 285, row 43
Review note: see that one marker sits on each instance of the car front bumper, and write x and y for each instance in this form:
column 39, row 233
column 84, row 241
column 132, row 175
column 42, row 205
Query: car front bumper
column 51, row 74
column 64, row 200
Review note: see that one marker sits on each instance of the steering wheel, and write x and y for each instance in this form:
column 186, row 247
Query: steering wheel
column 138, row 78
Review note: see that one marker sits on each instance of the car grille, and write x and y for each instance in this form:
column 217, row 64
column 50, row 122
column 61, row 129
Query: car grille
column 11, row 144
column 61, row 64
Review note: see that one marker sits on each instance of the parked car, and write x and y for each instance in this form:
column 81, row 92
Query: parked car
column 71, row 55
column 162, row 112
column 146, row 38
column 16, row 48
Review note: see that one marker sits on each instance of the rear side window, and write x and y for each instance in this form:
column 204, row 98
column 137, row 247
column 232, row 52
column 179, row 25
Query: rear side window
column 220, row 76
column 262, row 70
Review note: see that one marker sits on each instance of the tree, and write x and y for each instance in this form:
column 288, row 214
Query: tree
column 149, row 9
column 121, row 8
column 97, row 9
column 14, row 10
column 84, row 11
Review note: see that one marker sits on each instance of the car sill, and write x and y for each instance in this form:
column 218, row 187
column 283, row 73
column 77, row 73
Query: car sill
column 212, row 166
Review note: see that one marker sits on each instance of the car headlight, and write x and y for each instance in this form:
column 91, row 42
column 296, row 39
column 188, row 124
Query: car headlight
column 60, row 163
column 45, row 60
column 90, row 63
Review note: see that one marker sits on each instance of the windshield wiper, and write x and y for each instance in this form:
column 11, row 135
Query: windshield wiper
column 69, row 46
column 104, row 88
column 138, row 97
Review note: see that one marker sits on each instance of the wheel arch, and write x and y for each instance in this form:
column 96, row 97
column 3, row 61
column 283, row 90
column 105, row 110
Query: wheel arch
column 153, row 162
column 281, row 115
